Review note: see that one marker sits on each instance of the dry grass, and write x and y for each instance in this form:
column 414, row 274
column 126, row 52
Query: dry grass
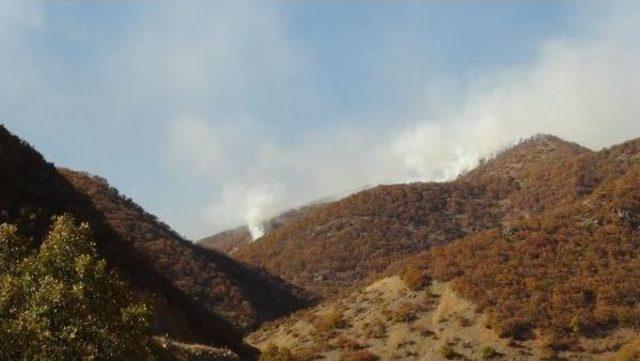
column 330, row 321
column 630, row 352
column 359, row 356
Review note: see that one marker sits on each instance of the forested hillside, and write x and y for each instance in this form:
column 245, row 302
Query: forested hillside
column 553, row 276
column 199, row 295
column 568, row 272
column 345, row 242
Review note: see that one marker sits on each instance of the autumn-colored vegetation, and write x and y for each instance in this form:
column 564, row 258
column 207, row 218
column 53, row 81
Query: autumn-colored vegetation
column 243, row 296
column 227, row 242
column 230, row 241
column 335, row 245
column 544, row 238
column 570, row 271
column 340, row 244
column 630, row 352
column 361, row 355
column 276, row 353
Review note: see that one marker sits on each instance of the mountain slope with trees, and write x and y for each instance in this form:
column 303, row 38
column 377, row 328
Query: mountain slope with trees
column 346, row 242
column 555, row 279
column 571, row 271
column 199, row 295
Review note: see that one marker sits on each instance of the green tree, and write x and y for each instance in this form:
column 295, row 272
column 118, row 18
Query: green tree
column 61, row 302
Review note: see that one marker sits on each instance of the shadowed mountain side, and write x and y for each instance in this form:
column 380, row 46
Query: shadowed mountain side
column 196, row 300
column 216, row 281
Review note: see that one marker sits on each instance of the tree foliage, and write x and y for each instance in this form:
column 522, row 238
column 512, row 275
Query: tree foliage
column 61, row 302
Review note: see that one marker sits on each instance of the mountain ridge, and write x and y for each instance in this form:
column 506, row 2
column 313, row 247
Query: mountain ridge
column 346, row 242
column 134, row 242
column 553, row 277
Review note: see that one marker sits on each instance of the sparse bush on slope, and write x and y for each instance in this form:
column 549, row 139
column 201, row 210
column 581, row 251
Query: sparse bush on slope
column 276, row 353
column 629, row 352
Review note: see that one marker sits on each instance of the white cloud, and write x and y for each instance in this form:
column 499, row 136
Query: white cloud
column 220, row 57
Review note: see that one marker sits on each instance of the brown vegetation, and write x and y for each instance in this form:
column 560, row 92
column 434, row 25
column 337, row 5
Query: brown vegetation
column 232, row 240
column 340, row 244
column 330, row 321
column 227, row 242
column 276, row 353
column 362, row 355
column 242, row 295
column 630, row 352
column 570, row 271
column 547, row 242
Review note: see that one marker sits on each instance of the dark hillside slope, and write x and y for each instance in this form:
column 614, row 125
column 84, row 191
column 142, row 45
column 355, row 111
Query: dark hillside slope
column 201, row 295
column 344, row 242
column 242, row 295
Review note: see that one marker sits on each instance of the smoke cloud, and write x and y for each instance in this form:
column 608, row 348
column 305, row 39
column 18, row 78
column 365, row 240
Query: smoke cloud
column 583, row 88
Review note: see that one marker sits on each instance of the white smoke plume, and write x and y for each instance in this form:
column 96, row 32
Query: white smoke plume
column 252, row 205
column 582, row 88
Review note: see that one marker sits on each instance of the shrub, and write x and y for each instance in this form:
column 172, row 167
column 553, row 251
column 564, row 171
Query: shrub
column 276, row 353
column 404, row 313
column 348, row 344
column 447, row 351
column 488, row 353
column 415, row 278
column 376, row 330
column 330, row 321
column 361, row 355
column 630, row 352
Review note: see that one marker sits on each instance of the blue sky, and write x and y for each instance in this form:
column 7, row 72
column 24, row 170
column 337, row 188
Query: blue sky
column 213, row 114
